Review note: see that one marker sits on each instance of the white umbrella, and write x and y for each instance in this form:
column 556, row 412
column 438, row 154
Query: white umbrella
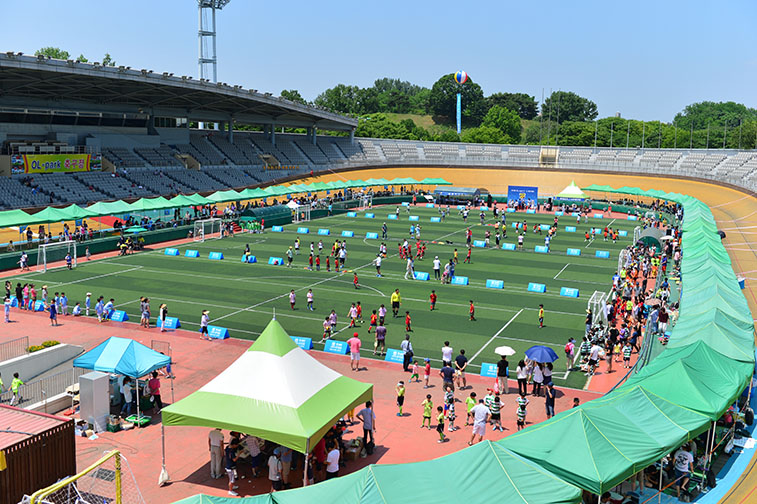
column 504, row 350
column 666, row 238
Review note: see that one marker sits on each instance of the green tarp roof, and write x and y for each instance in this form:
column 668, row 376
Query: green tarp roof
column 109, row 207
column 68, row 213
column 295, row 409
column 487, row 472
column 405, row 180
column 223, row 196
column 435, row 181
column 143, row 204
column 12, row 218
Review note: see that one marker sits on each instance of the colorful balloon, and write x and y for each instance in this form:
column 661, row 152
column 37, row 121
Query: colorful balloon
column 460, row 77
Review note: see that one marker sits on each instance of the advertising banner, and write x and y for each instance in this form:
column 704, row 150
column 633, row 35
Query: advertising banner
column 525, row 194
column 49, row 163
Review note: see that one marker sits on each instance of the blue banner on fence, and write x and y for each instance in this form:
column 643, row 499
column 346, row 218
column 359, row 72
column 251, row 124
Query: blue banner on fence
column 558, row 214
column 570, row 229
column 249, row 259
column 604, row 254
column 574, row 252
column 171, row 323
column 370, row 216
column 392, row 216
column 394, row 355
column 436, row 219
column 337, row 347
column 495, row 284
column 304, row 343
column 542, row 249
column 348, row 234
column 544, row 227
column 420, row 275
column 216, row 332
column 488, row 370
column 632, row 217
column 599, row 216
column 192, row 253
column 510, row 210
column 351, row 214
column 371, row 236
column 459, row 280
column 172, row 251
column 275, row 261
column 14, row 302
column 479, row 243
column 429, row 205
column 531, row 211
column 324, row 232
column 569, row 292
column 216, row 256
column 413, row 218
column 277, row 229
column 119, row 316
column 303, row 230
column 622, row 232
column 38, row 306
column 536, row 287
column 524, row 194
column 508, row 246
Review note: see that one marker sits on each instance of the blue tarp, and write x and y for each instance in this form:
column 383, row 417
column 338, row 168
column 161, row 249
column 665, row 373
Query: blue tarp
column 122, row 356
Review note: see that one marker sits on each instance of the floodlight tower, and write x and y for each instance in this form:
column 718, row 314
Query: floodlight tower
column 206, row 29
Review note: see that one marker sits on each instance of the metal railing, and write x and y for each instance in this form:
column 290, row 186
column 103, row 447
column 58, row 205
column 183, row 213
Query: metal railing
column 13, row 348
column 45, row 388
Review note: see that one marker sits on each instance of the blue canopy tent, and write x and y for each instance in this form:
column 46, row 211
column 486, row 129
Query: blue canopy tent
column 125, row 357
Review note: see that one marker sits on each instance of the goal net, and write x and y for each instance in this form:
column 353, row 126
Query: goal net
column 301, row 213
column 108, row 480
column 597, row 304
column 366, row 202
column 53, row 255
column 206, row 229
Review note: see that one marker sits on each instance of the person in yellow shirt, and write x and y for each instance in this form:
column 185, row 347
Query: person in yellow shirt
column 15, row 386
column 400, row 388
column 428, row 405
column 396, row 299
column 541, row 316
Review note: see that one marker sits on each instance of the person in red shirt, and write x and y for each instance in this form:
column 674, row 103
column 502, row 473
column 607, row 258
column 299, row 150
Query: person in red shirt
column 432, row 298
column 472, row 311
column 467, row 256
column 374, row 320
column 407, row 322
column 318, row 263
column 154, row 384
column 402, row 250
column 328, row 263
column 354, row 280
column 311, row 262
column 360, row 312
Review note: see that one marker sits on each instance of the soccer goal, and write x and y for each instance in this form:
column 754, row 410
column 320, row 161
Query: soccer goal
column 206, row 229
column 366, row 201
column 301, row 213
column 108, row 480
column 53, row 255
column 597, row 304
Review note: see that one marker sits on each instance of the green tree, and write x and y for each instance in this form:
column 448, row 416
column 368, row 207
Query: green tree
column 507, row 121
column 442, row 101
column 53, row 52
column 523, row 104
column 82, row 59
column 716, row 114
column 483, row 134
column 293, row 95
column 567, row 106
column 108, row 61
column 340, row 98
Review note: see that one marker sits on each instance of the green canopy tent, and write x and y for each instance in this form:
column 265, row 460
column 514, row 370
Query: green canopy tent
column 376, row 182
column 135, row 230
column 69, row 213
column 491, row 472
column 223, row 196
column 181, row 201
column 295, row 410
column 144, row 204
column 103, row 208
column 403, row 181
column 435, row 181
column 198, row 199
column 598, row 188
column 572, row 192
column 13, row 218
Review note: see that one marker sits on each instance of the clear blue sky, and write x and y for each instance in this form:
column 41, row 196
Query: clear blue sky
column 644, row 59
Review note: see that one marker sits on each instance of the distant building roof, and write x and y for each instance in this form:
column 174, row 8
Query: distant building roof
column 23, row 424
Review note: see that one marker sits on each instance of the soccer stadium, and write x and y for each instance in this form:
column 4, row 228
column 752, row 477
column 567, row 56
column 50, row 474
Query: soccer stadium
column 215, row 293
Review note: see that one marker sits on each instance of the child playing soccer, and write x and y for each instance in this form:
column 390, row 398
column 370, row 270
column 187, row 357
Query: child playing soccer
column 426, row 372
column 467, row 255
column 541, row 316
column 440, row 423
column 292, row 298
column 454, row 257
column 428, row 405
column 374, row 321
column 472, row 311
column 627, row 355
column 352, row 314
column 326, row 329
column 381, row 314
column 328, row 263
column 310, row 299
column 407, row 322
column 470, row 401
column 354, row 280
column 414, row 373
column 359, row 312
column 432, row 299
column 400, row 388
column 449, row 405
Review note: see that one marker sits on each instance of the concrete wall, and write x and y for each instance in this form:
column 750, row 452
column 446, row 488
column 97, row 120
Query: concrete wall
column 173, row 136
column 34, row 364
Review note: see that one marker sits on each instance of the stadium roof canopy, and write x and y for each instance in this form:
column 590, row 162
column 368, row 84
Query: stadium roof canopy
column 40, row 83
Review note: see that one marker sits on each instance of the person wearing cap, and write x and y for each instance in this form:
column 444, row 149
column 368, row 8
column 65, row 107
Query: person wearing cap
column 437, row 268
column 204, row 321
column 354, row 343
column 88, row 303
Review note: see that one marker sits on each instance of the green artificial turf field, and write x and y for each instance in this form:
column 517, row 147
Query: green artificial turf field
column 243, row 297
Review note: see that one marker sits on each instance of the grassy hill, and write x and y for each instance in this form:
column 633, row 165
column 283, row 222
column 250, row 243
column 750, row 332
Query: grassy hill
column 433, row 124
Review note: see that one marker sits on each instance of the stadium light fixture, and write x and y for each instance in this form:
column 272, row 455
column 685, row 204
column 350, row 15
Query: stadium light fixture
column 40, row 57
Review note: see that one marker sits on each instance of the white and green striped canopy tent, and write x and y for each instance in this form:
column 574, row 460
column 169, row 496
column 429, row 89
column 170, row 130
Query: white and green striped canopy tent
column 275, row 391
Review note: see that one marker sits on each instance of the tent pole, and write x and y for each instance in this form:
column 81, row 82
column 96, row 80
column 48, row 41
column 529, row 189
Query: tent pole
column 305, row 466
column 137, row 383
column 659, row 490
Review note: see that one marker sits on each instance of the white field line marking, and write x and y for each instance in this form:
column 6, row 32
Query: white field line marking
column 575, row 358
column 729, row 202
column 545, row 343
column 558, row 273
column 495, row 335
